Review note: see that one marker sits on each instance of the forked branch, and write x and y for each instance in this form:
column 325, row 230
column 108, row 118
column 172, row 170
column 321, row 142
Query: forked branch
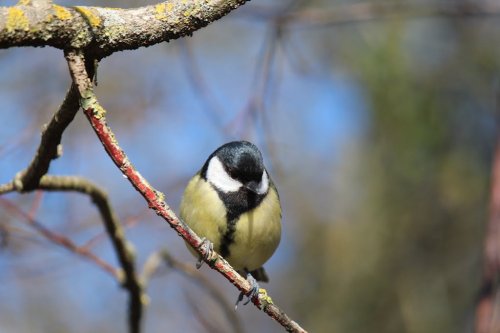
column 127, row 275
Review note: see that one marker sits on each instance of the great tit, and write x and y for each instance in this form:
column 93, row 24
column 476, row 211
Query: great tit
column 232, row 203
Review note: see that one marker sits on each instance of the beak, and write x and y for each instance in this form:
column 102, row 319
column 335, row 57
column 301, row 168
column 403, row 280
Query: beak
column 252, row 186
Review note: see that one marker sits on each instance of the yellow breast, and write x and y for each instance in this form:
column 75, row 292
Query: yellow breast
column 257, row 232
column 257, row 235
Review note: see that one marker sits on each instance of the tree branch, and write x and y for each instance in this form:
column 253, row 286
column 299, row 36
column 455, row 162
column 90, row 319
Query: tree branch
column 103, row 31
column 124, row 250
column 96, row 115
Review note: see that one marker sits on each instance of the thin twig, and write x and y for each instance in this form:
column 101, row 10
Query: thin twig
column 49, row 148
column 96, row 115
column 357, row 12
column 128, row 222
column 260, row 83
column 12, row 143
column 59, row 239
column 35, row 205
column 153, row 263
column 203, row 316
column 198, row 83
column 123, row 248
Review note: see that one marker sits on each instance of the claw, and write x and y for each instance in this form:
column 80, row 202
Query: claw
column 254, row 291
column 209, row 249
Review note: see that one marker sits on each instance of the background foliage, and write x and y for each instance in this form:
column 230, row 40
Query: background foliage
column 378, row 134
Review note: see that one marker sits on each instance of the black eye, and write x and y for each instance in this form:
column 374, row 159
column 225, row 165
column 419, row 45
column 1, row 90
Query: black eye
column 231, row 171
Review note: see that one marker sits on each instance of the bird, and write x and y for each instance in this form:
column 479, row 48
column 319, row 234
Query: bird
column 233, row 204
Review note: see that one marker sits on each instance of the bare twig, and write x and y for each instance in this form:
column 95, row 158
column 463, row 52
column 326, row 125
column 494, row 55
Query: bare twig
column 13, row 143
column 35, row 205
column 153, row 263
column 371, row 11
column 49, row 148
column 197, row 81
column 260, row 85
column 261, row 95
column 202, row 315
column 127, row 222
column 96, row 115
column 123, row 248
column 59, row 239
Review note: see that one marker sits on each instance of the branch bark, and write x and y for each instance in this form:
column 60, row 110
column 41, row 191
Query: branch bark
column 96, row 115
column 124, row 250
column 102, row 31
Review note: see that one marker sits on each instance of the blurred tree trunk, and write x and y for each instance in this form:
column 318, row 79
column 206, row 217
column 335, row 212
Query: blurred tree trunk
column 488, row 307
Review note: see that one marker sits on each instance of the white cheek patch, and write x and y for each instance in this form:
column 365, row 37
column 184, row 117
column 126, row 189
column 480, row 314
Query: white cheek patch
column 264, row 184
column 220, row 178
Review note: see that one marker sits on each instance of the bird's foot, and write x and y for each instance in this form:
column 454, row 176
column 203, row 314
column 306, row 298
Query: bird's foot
column 208, row 246
column 254, row 291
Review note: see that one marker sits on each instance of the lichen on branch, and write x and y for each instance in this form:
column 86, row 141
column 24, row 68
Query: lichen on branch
column 102, row 31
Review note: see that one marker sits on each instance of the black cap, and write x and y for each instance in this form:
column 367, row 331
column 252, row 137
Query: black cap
column 242, row 160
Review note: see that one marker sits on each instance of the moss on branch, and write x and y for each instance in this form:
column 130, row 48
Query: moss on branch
column 101, row 31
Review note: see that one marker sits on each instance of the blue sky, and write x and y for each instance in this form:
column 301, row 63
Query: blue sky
column 163, row 126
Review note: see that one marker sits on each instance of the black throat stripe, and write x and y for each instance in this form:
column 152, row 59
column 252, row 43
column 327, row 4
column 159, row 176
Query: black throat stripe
column 236, row 204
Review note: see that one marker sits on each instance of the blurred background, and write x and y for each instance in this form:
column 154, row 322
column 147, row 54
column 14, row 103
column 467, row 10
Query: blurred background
column 376, row 121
